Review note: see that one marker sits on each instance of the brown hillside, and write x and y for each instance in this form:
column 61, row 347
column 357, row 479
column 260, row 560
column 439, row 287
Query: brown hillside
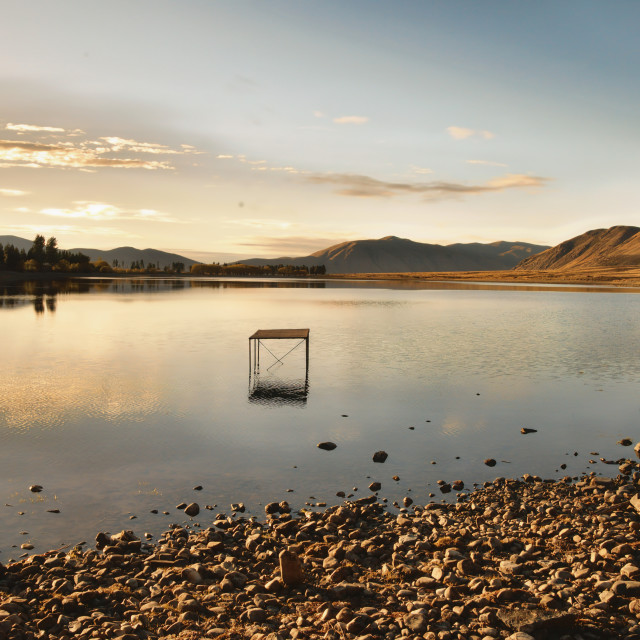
column 617, row 246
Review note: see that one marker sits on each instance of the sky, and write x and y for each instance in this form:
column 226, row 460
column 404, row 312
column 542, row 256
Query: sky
column 254, row 128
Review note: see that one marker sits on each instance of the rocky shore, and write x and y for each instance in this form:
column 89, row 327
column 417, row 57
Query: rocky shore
column 519, row 559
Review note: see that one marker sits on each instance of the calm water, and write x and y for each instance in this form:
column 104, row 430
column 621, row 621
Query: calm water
column 120, row 396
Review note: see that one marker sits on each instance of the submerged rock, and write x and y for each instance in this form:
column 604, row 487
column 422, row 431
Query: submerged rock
column 380, row 456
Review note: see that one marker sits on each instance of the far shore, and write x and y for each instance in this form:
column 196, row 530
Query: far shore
column 614, row 276
column 610, row 276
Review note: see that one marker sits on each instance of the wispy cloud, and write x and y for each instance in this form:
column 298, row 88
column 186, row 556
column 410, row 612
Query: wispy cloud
column 351, row 120
column 293, row 246
column 367, row 187
column 259, row 223
column 259, row 165
column 319, row 114
column 12, row 192
column 23, row 128
column 488, row 163
column 461, row 133
column 106, row 151
column 103, row 211
column 68, row 229
column 421, row 170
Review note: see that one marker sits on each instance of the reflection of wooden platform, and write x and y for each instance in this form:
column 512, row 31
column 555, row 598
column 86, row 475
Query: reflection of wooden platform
column 280, row 334
column 276, row 334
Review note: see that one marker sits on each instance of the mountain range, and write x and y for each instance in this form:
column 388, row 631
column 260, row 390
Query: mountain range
column 124, row 255
column 392, row 254
column 614, row 247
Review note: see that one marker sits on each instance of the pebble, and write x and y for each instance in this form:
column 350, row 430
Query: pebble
column 35, row 488
column 327, row 446
column 516, row 559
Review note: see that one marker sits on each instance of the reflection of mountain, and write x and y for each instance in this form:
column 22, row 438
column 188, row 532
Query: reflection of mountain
column 614, row 247
column 398, row 255
column 276, row 391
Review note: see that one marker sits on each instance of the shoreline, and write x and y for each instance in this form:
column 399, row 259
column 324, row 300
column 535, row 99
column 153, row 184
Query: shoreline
column 606, row 276
column 527, row 558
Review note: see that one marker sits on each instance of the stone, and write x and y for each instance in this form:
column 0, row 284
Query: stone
column 256, row 614
column 490, row 462
column 416, row 621
column 381, row 456
column 271, row 508
column 375, row 486
column 192, row 576
column 192, row 509
column 625, row 442
column 35, row 488
column 327, row 446
column 290, row 567
column 526, row 430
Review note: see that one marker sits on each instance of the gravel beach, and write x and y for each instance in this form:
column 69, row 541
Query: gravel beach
column 519, row 559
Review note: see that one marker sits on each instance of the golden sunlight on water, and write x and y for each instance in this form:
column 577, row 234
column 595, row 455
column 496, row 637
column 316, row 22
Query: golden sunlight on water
column 121, row 398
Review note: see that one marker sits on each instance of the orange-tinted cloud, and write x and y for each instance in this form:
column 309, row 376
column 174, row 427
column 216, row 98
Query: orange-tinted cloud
column 366, row 187
column 66, row 151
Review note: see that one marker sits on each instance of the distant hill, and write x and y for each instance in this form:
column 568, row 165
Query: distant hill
column 614, row 247
column 124, row 255
column 18, row 243
column 397, row 255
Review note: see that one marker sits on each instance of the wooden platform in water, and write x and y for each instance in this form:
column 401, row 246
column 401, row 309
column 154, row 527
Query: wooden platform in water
column 280, row 334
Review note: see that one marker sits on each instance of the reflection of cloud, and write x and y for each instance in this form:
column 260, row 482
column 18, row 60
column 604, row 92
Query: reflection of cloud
column 12, row 192
column 488, row 163
column 366, row 187
column 351, row 120
column 104, row 211
column 107, row 151
column 460, row 133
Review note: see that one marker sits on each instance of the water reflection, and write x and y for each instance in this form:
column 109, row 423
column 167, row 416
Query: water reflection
column 275, row 391
column 42, row 294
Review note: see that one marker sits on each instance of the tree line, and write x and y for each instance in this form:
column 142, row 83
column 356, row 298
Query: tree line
column 44, row 255
column 216, row 269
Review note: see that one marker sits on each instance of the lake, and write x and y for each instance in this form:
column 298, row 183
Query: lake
column 120, row 396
